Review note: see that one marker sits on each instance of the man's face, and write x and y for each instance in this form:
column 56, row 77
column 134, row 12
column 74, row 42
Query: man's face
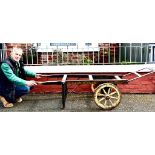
column 16, row 55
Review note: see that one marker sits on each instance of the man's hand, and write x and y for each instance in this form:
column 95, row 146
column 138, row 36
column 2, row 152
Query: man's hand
column 31, row 83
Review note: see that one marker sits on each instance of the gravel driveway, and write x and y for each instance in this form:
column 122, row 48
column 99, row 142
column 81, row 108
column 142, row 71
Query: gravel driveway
column 81, row 103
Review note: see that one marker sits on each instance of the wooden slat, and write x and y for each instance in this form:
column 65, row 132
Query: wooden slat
column 90, row 77
column 117, row 77
column 138, row 74
column 48, row 82
column 64, row 78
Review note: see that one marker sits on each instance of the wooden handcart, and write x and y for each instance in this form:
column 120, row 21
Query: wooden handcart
column 106, row 93
column 104, row 86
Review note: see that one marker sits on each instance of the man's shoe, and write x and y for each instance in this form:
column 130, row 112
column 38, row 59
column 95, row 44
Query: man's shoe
column 19, row 100
column 5, row 103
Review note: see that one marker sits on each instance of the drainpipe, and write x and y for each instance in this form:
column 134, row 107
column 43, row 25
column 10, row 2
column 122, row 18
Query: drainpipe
column 2, row 51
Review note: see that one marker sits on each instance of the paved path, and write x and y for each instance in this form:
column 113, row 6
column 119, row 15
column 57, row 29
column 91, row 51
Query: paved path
column 81, row 103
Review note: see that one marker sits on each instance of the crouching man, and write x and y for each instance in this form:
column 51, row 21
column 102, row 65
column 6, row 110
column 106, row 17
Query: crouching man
column 12, row 79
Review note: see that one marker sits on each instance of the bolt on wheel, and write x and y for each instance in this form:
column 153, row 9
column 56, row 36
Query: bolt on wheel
column 107, row 96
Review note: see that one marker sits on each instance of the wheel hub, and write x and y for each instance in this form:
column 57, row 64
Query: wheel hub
column 107, row 97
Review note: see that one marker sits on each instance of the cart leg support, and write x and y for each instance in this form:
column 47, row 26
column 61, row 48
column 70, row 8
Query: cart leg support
column 64, row 94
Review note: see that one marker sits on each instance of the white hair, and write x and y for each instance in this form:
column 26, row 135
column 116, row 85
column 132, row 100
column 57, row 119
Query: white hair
column 15, row 49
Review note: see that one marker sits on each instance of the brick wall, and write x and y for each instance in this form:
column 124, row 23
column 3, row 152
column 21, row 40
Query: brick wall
column 145, row 84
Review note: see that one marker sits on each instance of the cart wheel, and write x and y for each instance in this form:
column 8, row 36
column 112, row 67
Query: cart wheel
column 107, row 96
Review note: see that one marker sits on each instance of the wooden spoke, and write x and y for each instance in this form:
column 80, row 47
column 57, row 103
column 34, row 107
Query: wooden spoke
column 109, row 90
column 104, row 91
column 102, row 99
column 114, row 97
column 113, row 93
column 99, row 94
column 111, row 102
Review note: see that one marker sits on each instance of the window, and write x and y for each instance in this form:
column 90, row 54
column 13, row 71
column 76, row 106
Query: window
column 62, row 44
column 88, row 44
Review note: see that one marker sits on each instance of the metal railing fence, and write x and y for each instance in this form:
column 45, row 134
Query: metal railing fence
column 83, row 56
